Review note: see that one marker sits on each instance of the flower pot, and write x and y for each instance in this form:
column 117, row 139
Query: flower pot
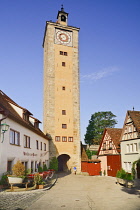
column 40, row 186
column 127, row 183
column 15, row 180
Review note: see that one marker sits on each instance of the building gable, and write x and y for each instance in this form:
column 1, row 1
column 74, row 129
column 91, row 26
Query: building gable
column 110, row 142
column 129, row 129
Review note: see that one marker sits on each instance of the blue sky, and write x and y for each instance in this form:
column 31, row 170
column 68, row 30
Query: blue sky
column 109, row 46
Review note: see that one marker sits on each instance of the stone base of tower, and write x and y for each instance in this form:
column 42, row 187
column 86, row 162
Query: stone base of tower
column 67, row 161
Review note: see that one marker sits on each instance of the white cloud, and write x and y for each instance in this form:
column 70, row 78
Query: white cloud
column 99, row 74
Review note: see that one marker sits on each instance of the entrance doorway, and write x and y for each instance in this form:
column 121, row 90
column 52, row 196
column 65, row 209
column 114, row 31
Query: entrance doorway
column 62, row 162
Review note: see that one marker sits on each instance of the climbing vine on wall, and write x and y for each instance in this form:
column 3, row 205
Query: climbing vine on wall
column 134, row 167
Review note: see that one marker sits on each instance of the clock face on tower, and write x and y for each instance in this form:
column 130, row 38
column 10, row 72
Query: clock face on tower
column 63, row 37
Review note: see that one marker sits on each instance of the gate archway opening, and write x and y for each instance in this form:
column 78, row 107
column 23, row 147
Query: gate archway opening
column 63, row 162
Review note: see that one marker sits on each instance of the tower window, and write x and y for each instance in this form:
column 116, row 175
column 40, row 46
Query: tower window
column 64, row 138
column 70, row 139
column 65, row 53
column 63, row 112
column 64, row 126
column 57, row 138
column 63, row 88
column 63, row 18
column 63, row 64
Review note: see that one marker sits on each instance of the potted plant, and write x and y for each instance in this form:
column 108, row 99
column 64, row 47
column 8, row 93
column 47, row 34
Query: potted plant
column 104, row 172
column 100, row 173
column 38, row 180
column 18, row 173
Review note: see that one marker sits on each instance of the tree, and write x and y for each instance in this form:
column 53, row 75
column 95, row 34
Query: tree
column 98, row 122
column 54, row 164
column 90, row 153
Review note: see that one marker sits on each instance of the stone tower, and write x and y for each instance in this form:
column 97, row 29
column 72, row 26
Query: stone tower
column 61, row 91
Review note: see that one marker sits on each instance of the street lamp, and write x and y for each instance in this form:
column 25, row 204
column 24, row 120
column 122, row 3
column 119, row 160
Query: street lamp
column 4, row 128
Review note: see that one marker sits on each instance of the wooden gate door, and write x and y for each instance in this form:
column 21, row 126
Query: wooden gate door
column 113, row 164
column 94, row 169
column 84, row 166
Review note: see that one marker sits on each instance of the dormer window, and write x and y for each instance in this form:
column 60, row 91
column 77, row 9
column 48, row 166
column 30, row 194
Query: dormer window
column 36, row 124
column 25, row 115
column 63, row 18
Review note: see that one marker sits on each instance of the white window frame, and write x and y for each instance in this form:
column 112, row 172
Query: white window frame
column 128, row 148
column 131, row 148
column 26, row 141
column 14, row 137
column 135, row 147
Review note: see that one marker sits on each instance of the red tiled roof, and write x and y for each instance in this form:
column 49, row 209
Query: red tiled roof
column 115, row 134
column 5, row 105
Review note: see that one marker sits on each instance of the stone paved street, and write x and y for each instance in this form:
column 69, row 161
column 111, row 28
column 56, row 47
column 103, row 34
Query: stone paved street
column 75, row 193
column 18, row 200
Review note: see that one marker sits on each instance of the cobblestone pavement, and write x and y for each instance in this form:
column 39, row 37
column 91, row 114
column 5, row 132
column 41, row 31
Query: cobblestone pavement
column 18, row 200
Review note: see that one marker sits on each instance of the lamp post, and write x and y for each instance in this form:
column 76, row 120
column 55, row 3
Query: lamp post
column 4, row 127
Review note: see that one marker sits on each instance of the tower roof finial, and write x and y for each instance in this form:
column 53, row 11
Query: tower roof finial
column 62, row 8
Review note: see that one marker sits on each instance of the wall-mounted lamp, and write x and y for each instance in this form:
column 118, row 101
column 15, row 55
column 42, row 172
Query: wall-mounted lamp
column 4, row 127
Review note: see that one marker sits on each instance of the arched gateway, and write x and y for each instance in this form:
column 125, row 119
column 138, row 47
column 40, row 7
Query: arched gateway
column 63, row 162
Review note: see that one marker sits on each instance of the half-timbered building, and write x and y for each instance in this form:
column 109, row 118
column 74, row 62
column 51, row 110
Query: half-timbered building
column 130, row 141
column 109, row 151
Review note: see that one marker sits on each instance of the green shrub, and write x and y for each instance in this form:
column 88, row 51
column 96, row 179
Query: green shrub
column 118, row 175
column 40, row 169
column 129, row 177
column 137, row 162
column 4, row 180
column 122, row 174
column 54, row 164
column 28, row 171
column 88, row 153
column 45, row 167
